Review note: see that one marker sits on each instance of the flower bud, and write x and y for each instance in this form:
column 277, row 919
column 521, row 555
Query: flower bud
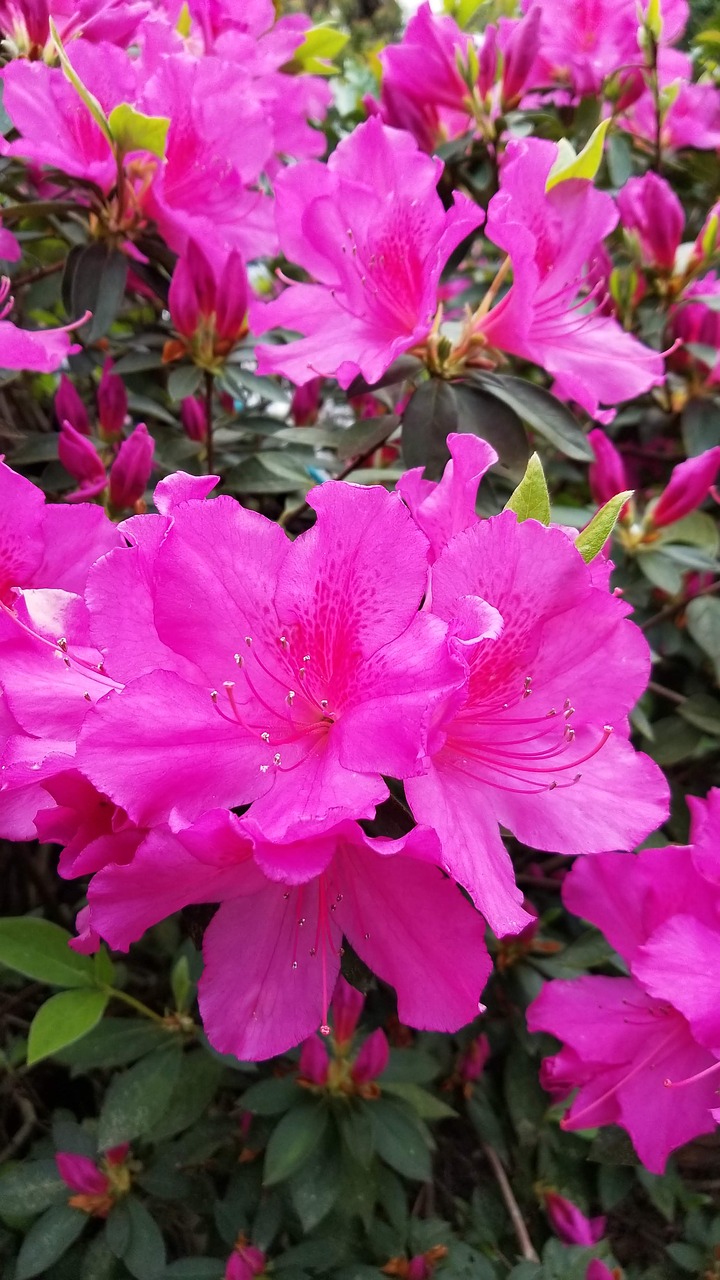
column 131, row 469
column 70, row 408
column 598, row 1271
column 314, row 1062
column 519, row 55
column 487, row 61
column 472, row 1063
column 569, row 1223
column 347, row 1005
column 652, row 212
column 689, row 485
column 306, row 403
column 83, row 462
column 81, row 1174
column 111, row 402
column 194, row 419
column 372, row 1059
column 607, row 473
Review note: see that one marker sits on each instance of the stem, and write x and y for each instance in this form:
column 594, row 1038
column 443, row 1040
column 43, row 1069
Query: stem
column 511, row 1204
column 671, row 609
column 209, row 387
column 655, row 85
column 664, row 692
column 493, row 290
column 136, row 1004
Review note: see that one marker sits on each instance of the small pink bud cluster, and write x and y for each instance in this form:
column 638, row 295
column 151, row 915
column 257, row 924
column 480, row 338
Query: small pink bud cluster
column 343, row 1073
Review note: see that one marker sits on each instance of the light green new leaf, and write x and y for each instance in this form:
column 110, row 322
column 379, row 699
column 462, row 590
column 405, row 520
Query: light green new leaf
column 531, row 500
column 594, row 536
column 62, row 1020
column 583, row 165
column 320, row 46
column 133, row 131
column 39, row 950
column 83, row 92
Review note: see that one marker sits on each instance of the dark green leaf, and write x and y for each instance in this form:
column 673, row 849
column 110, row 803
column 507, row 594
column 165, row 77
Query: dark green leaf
column 316, row 1186
column 427, row 1106
column 39, row 950
column 99, row 275
column 357, row 1132
column 48, row 1239
column 196, row 1269
column 98, row 1260
column 401, row 1140
column 297, row 1134
column 138, row 1098
column 703, row 711
column 191, row 1095
column 367, row 434
column 541, row 411
column 115, row 1042
column 700, row 424
column 144, row 1254
column 427, row 421
column 401, row 369
column 63, row 1019
column 184, row 381
column 703, row 622
column 27, row 1189
column 271, row 1097
column 483, row 415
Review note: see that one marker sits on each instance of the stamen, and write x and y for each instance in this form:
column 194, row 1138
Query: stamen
column 700, row 1075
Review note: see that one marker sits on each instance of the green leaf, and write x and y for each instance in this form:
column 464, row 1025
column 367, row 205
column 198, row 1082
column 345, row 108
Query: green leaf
column 144, row 1253
column 427, row 1106
column 48, row 1239
column 133, row 131
column 541, row 411
column 401, row 1140
column 430, row 416
column 482, row 414
column 316, row 1186
column 703, row 711
column 593, row 537
column 271, row 1097
column 39, row 950
column 320, row 45
column 98, row 1261
column 295, row 1137
column 114, row 1042
column 138, row 1098
column 703, row 623
column 104, row 967
column 64, row 1018
column 531, row 500
column 184, row 381
column 192, row 1093
column 196, row 1269
column 357, row 1132
column 83, row 92
column 584, row 164
column 97, row 276
column 27, row 1189
column 181, row 983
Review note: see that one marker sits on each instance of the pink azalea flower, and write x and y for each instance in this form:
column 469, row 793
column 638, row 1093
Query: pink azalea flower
column 293, row 692
column 687, row 489
column 692, row 118
column 26, row 23
column 545, row 317
column 39, row 350
column 585, row 44
column 132, row 468
column 10, row 247
column 385, row 896
column 371, row 229
column 651, row 211
column 642, row 1051
column 93, row 831
column 447, row 507
column 537, row 743
column 569, row 1223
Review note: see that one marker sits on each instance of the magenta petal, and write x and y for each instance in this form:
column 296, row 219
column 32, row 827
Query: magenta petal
column 680, row 962
column 81, row 1174
column 281, row 999
column 372, row 1058
column 314, row 1061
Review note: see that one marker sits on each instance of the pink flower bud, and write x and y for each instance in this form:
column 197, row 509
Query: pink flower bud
column 598, row 1271
column 246, row 1262
column 306, row 402
column 650, row 209
column 194, row 419
column 347, row 1005
column 131, row 469
column 569, row 1223
column 70, row 408
column 119, row 1154
column 209, row 296
column 83, row 462
column 418, row 1268
column 231, row 302
column 314, row 1061
column 81, row 1174
column 473, row 1060
column 112, row 402
column 607, row 473
column 487, row 61
column 520, row 50
column 689, row 485
column 372, row 1059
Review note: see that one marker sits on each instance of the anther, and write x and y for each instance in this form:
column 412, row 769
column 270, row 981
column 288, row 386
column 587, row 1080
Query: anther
column 324, row 1030
column 248, row 641
column 366, row 936
column 237, row 658
column 301, row 922
column 312, row 951
column 291, row 695
column 265, row 736
column 87, row 697
column 277, row 758
column 333, row 907
column 294, row 964
column 283, row 641
column 527, row 687
column 306, row 657
column 62, row 644
column 264, row 768
column 323, row 703
column 213, row 694
column 286, row 896
column 339, row 898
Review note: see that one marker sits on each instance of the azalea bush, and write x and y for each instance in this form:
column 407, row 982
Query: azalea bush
column 360, row 641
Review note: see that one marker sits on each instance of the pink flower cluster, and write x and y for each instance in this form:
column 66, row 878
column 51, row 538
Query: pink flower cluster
column 204, row 711
column 643, row 1051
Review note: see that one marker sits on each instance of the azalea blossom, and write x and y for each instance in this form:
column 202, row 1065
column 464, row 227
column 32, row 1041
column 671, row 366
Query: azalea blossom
column 551, row 236
column 643, row 1051
column 208, row 306
column 39, row 350
column 651, row 213
column 96, row 1184
column 285, row 909
column 371, row 229
column 301, row 672
column 569, row 1222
